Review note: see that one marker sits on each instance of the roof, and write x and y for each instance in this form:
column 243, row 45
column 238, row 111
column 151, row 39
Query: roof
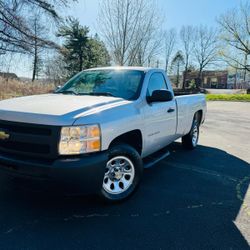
column 144, row 69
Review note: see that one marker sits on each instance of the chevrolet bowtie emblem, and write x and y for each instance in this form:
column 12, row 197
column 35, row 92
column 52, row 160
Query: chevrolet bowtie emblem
column 4, row 135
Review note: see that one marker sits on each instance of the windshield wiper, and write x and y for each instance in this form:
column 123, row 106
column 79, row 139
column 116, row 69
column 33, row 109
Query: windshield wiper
column 94, row 94
column 66, row 92
column 100, row 94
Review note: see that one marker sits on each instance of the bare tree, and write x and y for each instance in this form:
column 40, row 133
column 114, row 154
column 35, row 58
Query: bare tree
column 205, row 48
column 235, row 33
column 187, row 37
column 38, row 46
column 170, row 42
column 129, row 28
column 176, row 66
column 54, row 69
column 15, row 33
column 148, row 45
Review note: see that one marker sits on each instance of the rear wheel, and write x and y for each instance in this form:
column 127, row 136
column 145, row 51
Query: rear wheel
column 122, row 174
column 190, row 140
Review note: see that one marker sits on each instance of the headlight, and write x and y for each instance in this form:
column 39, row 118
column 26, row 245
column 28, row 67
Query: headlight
column 79, row 140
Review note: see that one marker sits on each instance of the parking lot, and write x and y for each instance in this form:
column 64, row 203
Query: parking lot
column 192, row 200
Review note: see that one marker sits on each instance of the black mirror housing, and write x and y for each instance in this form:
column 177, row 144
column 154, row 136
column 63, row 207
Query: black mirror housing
column 160, row 96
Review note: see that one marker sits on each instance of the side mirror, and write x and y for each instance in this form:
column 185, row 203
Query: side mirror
column 160, row 96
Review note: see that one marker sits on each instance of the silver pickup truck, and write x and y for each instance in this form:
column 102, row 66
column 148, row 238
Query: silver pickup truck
column 99, row 131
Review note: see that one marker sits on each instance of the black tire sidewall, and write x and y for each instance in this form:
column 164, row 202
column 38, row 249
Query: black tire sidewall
column 195, row 123
column 187, row 140
column 133, row 155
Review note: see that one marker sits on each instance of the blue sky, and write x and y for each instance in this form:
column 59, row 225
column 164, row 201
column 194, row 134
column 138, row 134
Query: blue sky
column 176, row 12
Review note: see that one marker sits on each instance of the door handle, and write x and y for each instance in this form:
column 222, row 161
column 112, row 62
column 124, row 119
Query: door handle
column 171, row 110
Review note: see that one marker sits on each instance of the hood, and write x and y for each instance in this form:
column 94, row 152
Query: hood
column 54, row 109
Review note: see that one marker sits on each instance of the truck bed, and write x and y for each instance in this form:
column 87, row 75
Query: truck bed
column 180, row 92
column 187, row 105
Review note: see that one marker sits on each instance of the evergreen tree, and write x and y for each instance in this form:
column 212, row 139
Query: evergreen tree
column 97, row 53
column 79, row 50
column 75, row 44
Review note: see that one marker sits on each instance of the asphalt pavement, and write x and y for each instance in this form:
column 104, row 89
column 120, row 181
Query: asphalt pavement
column 192, row 200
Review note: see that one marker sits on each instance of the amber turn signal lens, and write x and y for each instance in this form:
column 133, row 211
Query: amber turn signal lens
column 94, row 145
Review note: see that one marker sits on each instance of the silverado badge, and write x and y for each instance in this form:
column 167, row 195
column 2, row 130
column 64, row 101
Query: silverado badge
column 4, row 135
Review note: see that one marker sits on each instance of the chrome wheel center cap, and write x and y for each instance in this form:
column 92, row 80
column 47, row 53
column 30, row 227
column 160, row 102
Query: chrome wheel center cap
column 116, row 173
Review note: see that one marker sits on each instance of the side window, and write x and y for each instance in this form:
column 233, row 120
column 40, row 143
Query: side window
column 156, row 82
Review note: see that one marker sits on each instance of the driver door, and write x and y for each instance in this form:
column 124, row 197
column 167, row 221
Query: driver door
column 160, row 117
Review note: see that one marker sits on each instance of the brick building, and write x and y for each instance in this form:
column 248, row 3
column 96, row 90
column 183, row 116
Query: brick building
column 214, row 79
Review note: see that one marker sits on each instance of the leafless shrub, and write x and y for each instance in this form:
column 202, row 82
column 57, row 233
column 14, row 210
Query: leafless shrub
column 14, row 88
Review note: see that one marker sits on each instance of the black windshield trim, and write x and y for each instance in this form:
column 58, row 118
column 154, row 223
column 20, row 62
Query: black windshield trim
column 135, row 97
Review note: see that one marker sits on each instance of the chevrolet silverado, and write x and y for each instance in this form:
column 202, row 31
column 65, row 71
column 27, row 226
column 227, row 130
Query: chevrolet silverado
column 99, row 131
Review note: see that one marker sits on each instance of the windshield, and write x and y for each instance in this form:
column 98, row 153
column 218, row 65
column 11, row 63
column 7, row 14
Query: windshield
column 124, row 84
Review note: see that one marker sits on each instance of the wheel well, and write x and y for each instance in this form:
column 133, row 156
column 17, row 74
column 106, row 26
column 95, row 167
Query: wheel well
column 198, row 115
column 132, row 138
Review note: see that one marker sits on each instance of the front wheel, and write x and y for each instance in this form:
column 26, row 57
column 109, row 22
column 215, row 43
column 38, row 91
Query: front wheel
column 190, row 140
column 122, row 174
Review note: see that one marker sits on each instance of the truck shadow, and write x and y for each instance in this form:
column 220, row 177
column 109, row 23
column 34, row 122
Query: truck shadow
column 191, row 200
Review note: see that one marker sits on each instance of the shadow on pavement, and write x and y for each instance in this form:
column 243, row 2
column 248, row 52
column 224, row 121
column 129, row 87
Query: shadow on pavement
column 188, row 201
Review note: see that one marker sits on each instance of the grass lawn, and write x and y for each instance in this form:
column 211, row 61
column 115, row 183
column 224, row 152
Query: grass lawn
column 228, row 97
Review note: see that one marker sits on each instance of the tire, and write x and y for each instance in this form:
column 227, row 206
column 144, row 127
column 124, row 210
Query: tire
column 123, row 173
column 190, row 140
